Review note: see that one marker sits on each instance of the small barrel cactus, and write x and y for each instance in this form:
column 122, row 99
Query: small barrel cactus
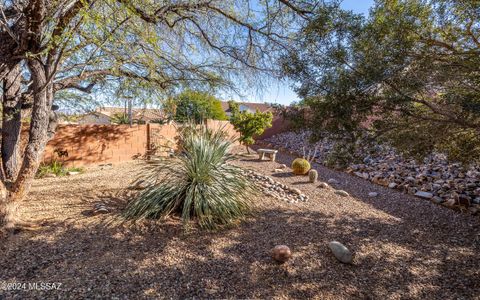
column 300, row 166
column 313, row 175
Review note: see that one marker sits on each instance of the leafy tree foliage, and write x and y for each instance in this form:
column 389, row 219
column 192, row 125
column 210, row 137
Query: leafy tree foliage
column 409, row 73
column 120, row 118
column 197, row 106
column 249, row 124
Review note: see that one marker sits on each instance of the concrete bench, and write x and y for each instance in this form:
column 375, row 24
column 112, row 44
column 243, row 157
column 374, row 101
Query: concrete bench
column 272, row 153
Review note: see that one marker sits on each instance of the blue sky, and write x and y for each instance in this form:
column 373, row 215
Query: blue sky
column 281, row 92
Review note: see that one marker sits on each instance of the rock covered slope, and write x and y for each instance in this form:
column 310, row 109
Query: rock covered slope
column 435, row 178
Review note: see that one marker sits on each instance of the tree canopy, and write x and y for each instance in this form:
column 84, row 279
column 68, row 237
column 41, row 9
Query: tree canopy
column 197, row 106
column 61, row 48
column 409, row 73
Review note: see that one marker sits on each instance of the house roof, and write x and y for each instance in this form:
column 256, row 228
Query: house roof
column 261, row 107
column 144, row 114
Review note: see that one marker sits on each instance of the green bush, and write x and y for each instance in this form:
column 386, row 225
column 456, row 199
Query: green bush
column 249, row 125
column 199, row 184
column 56, row 168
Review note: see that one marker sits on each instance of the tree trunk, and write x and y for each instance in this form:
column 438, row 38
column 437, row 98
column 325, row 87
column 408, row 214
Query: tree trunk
column 11, row 124
column 248, row 149
column 8, row 211
column 41, row 129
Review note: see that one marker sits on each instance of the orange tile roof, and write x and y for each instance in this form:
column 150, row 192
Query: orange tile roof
column 262, row 107
column 144, row 114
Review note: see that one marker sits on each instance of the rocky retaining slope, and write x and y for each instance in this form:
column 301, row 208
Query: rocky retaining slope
column 435, row 178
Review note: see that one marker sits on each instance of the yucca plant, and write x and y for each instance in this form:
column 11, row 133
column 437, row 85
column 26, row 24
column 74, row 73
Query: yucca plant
column 200, row 184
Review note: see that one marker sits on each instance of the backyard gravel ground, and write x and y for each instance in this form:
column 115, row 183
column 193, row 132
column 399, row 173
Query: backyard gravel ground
column 404, row 247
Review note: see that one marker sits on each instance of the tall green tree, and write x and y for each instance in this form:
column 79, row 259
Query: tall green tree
column 248, row 124
column 409, row 73
column 197, row 106
column 83, row 46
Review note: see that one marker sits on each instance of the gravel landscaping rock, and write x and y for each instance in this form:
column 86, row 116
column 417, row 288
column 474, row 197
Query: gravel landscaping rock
column 372, row 194
column 405, row 248
column 382, row 165
column 276, row 189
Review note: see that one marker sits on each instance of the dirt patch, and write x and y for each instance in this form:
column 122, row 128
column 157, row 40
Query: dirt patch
column 404, row 247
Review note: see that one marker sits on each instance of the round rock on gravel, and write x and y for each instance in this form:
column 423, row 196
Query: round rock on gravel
column 281, row 253
column 341, row 252
column 372, row 194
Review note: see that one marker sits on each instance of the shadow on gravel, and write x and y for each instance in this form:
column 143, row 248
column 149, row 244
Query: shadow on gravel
column 163, row 261
column 283, row 175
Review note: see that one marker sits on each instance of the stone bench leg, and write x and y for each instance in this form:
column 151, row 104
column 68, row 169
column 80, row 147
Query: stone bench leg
column 262, row 156
column 274, row 156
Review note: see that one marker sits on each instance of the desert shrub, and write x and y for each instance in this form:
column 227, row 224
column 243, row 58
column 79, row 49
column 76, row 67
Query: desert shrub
column 341, row 156
column 199, row 184
column 57, row 168
column 248, row 124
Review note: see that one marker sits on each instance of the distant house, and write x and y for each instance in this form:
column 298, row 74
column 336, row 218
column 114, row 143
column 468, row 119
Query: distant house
column 247, row 106
column 139, row 115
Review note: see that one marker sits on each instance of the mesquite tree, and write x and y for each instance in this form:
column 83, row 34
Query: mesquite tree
column 82, row 45
column 410, row 72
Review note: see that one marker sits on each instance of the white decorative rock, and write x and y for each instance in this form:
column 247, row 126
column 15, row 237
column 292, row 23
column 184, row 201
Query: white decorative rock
column 342, row 193
column 341, row 252
column 332, row 181
column 424, row 195
column 372, row 194
column 323, row 185
column 392, row 185
column 101, row 210
column 296, row 191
